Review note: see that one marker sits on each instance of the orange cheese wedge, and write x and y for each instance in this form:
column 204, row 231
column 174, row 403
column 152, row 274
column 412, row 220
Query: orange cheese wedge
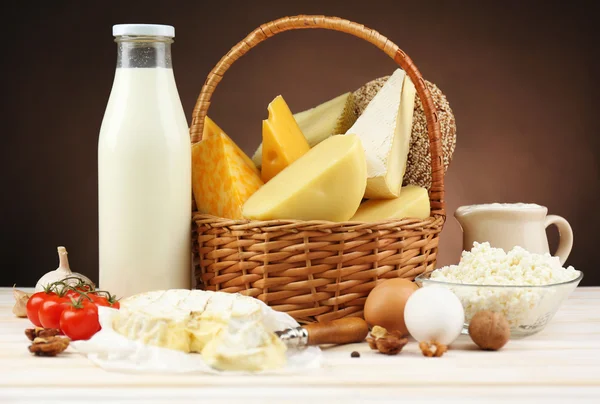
column 223, row 176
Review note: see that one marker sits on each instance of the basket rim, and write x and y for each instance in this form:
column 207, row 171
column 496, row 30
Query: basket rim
column 293, row 225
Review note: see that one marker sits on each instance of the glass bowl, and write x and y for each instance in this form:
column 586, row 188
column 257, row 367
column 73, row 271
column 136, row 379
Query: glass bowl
column 528, row 309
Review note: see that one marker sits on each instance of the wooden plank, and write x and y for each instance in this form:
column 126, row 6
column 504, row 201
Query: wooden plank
column 561, row 362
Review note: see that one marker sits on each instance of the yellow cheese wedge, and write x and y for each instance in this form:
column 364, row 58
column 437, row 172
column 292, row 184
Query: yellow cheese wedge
column 332, row 117
column 385, row 129
column 327, row 183
column 283, row 141
column 223, row 177
column 413, row 202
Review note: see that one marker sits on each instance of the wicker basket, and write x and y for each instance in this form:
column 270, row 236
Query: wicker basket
column 316, row 270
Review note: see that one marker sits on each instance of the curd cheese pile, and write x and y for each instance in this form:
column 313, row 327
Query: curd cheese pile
column 525, row 308
column 485, row 265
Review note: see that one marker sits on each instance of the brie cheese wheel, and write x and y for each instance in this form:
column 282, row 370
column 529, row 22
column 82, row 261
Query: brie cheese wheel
column 181, row 319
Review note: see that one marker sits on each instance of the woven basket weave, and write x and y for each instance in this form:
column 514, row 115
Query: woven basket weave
column 316, row 270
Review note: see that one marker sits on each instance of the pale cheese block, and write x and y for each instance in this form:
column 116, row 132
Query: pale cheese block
column 413, row 202
column 223, row 177
column 332, row 117
column 385, row 129
column 283, row 141
column 327, row 183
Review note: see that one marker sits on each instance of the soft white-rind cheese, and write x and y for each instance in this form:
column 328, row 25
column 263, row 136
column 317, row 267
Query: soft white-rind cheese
column 384, row 129
column 190, row 320
column 245, row 345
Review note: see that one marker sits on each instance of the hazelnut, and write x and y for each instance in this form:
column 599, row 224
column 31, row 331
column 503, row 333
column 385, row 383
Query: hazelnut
column 489, row 330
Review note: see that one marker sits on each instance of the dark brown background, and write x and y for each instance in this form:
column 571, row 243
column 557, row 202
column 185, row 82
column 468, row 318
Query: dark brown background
column 521, row 77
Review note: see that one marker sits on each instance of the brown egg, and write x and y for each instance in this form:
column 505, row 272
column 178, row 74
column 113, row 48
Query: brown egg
column 385, row 304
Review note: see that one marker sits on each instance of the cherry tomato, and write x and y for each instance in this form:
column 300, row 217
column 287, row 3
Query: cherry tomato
column 78, row 290
column 33, row 306
column 51, row 309
column 73, row 293
column 98, row 300
column 80, row 321
column 103, row 301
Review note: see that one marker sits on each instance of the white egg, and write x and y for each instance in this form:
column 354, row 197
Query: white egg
column 434, row 313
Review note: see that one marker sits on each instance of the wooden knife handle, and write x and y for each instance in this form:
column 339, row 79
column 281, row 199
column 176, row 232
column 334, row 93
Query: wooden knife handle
column 342, row 331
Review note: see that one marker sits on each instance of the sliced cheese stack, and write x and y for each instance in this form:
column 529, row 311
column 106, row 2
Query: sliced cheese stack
column 333, row 117
column 385, row 129
column 223, row 177
column 327, row 183
column 227, row 329
column 283, row 141
column 413, row 202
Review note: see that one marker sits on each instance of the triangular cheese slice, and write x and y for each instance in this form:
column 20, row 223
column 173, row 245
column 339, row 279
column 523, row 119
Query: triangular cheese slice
column 223, row 177
column 327, row 183
column 283, row 141
column 332, row 117
column 385, row 129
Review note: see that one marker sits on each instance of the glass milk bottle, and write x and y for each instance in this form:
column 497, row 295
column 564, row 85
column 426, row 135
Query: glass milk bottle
column 144, row 169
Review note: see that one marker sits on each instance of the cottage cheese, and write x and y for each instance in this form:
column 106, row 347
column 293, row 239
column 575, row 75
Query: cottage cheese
column 485, row 265
column 527, row 309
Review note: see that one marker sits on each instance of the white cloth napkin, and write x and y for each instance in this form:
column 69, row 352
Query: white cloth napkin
column 114, row 352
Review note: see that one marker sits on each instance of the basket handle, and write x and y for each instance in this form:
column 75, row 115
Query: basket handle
column 436, row 192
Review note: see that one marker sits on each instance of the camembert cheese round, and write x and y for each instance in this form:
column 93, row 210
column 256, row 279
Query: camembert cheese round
column 188, row 320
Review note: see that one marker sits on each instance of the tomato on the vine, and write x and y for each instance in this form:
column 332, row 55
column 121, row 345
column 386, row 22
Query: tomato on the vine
column 51, row 309
column 104, row 301
column 33, row 306
column 80, row 320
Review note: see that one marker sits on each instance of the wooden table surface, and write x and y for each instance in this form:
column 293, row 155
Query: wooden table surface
column 560, row 364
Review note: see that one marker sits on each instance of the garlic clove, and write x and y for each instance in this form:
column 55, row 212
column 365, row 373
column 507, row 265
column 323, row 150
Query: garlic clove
column 20, row 307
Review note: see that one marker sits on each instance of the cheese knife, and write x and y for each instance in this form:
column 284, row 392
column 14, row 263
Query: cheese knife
column 341, row 331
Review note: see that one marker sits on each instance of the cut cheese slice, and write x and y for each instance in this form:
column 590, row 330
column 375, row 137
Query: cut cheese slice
column 385, row 129
column 245, row 345
column 327, row 183
column 413, row 202
column 333, row 117
column 223, row 177
column 283, row 141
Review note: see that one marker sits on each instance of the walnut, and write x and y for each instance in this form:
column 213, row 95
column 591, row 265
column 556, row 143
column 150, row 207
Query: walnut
column 432, row 349
column 489, row 330
column 50, row 346
column 33, row 333
column 389, row 343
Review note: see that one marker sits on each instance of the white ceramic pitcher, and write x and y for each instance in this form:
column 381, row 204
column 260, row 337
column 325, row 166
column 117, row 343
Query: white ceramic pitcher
column 506, row 225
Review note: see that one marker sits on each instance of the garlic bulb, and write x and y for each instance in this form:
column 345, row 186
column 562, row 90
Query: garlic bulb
column 63, row 271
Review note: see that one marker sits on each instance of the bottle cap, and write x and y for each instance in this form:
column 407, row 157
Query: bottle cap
column 144, row 30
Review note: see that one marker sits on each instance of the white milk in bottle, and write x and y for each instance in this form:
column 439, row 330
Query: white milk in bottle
column 144, row 169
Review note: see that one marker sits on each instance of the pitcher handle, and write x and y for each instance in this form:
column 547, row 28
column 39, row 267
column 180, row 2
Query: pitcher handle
column 565, row 243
